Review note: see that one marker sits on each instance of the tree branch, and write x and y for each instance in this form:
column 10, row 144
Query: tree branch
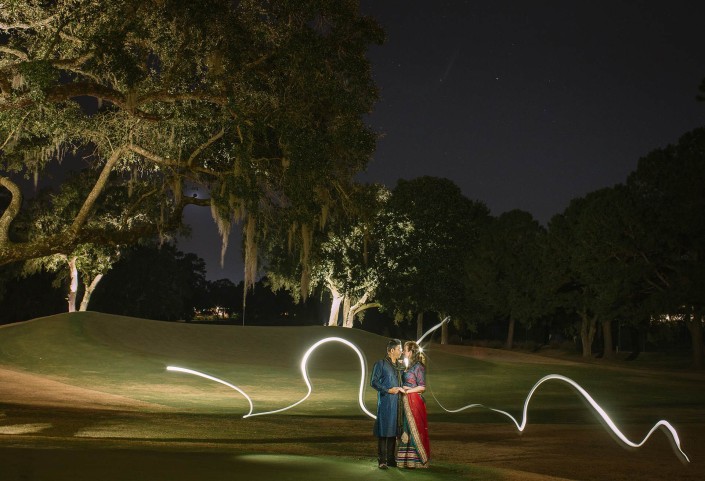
column 12, row 210
column 88, row 204
column 9, row 137
column 163, row 96
column 364, row 307
column 92, row 234
column 203, row 147
column 71, row 38
column 72, row 62
column 77, row 89
column 158, row 159
column 17, row 53
column 26, row 26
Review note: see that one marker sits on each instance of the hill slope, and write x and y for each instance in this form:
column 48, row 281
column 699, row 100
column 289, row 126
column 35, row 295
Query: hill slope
column 128, row 356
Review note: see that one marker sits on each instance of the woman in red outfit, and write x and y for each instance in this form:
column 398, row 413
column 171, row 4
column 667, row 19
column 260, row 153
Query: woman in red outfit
column 414, row 448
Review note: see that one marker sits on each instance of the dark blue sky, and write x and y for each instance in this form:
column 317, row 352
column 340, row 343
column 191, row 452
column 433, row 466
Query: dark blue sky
column 523, row 104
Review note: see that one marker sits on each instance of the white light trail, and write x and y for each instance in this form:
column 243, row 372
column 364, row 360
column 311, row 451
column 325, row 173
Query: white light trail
column 304, row 373
column 664, row 425
column 432, row 329
column 213, row 378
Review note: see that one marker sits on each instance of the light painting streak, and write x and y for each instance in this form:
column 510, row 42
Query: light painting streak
column 213, row 378
column 664, row 425
column 432, row 329
column 304, row 373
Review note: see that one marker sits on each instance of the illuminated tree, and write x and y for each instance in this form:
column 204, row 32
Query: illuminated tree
column 344, row 259
column 259, row 103
column 349, row 258
column 84, row 265
column 83, row 268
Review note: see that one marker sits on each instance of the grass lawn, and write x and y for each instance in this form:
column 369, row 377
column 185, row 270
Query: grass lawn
column 87, row 396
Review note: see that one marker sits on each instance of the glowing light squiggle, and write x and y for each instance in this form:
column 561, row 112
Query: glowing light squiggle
column 664, row 425
column 304, row 373
column 432, row 329
column 213, row 378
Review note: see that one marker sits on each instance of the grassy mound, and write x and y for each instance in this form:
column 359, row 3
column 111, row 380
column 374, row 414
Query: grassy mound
column 128, row 356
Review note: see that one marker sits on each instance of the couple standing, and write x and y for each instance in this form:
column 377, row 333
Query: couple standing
column 401, row 411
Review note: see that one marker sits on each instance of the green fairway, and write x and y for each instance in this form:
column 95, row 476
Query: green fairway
column 129, row 357
column 187, row 419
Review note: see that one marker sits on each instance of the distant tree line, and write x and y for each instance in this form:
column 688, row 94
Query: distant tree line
column 625, row 258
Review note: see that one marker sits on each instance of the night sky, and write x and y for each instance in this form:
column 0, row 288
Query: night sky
column 523, row 104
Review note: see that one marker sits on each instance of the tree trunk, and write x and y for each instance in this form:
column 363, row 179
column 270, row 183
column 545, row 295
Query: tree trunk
column 11, row 211
column 587, row 332
column 694, row 322
column 359, row 306
column 510, row 333
column 607, row 346
column 334, row 309
column 346, row 311
column 419, row 325
column 89, row 291
column 84, row 213
column 444, row 333
column 356, row 309
column 73, row 287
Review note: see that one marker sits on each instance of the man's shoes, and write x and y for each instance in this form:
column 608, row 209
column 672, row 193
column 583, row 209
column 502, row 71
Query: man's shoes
column 382, row 466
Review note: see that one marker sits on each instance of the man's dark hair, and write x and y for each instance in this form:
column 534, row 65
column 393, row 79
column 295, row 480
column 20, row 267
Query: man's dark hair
column 392, row 344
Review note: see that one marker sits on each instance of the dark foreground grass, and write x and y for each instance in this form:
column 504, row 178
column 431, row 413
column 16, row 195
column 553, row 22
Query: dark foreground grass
column 193, row 428
column 148, row 464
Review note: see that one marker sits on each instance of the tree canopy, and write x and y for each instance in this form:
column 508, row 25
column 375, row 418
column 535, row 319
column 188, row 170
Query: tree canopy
column 429, row 226
column 668, row 187
column 503, row 269
column 343, row 260
column 258, row 102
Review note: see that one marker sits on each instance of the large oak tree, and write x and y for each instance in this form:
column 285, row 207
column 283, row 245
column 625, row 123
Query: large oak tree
column 258, row 102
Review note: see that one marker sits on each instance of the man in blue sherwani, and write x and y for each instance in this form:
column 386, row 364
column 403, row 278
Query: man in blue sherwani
column 386, row 379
